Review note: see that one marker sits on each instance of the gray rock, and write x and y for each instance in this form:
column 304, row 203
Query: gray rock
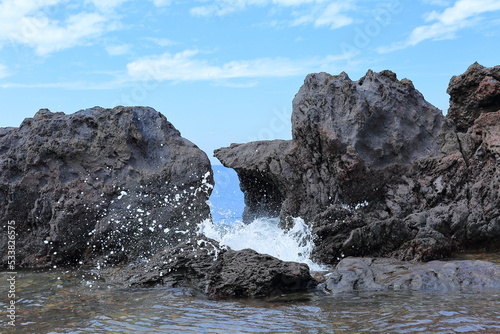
column 474, row 92
column 384, row 120
column 108, row 185
column 344, row 132
column 376, row 171
column 376, row 274
column 217, row 271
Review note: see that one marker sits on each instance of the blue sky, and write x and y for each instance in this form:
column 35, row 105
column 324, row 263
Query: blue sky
column 226, row 71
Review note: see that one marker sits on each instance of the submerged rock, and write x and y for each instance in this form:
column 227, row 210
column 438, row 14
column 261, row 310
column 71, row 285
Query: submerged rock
column 217, row 271
column 108, row 185
column 381, row 274
column 377, row 171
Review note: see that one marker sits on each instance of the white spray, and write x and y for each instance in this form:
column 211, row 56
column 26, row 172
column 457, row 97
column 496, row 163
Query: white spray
column 265, row 236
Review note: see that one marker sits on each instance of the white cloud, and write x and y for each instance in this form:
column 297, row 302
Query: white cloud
column 443, row 3
column 163, row 42
column 464, row 13
column 332, row 15
column 3, row 71
column 184, row 66
column 108, row 5
column 161, row 3
column 118, row 50
column 29, row 23
column 316, row 12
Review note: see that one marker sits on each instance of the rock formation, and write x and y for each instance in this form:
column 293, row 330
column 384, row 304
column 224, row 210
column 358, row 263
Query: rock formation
column 377, row 170
column 217, row 271
column 107, row 185
column 475, row 92
column 381, row 274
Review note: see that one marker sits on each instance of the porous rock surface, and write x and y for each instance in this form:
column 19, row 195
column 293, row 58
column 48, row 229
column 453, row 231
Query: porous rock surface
column 377, row 171
column 216, row 271
column 474, row 92
column 382, row 274
column 99, row 185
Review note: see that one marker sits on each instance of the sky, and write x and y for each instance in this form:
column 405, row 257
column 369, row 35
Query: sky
column 227, row 71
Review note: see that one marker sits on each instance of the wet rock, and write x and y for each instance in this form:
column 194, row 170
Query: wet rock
column 382, row 274
column 474, row 92
column 376, row 171
column 107, row 185
column 217, row 271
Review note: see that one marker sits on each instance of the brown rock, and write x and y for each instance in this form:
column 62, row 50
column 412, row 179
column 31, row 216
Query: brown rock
column 474, row 92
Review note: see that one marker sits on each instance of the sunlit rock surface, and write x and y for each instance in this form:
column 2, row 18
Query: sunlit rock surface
column 378, row 171
column 381, row 274
column 99, row 185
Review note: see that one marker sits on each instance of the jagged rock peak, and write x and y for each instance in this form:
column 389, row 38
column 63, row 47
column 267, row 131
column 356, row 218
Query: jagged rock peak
column 386, row 121
column 472, row 93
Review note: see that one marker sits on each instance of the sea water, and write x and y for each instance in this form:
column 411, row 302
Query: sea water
column 263, row 234
column 81, row 301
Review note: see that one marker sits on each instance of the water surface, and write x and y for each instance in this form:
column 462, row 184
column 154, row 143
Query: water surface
column 78, row 301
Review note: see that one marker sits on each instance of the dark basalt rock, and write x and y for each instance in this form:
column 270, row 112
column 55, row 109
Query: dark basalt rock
column 217, row 271
column 377, row 171
column 380, row 274
column 475, row 92
column 108, row 185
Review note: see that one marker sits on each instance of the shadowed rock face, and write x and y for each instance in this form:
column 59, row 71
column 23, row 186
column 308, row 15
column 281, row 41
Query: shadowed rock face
column 109, row 185
column 217, row 271
column 377, row 171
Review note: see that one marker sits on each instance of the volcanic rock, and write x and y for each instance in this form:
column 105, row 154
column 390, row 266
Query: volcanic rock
column 475, row 92
column 217, row 271
column 381, row 274
column 99, row 185
column 376, row 171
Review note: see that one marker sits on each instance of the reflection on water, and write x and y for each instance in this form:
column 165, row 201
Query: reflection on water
column 80, row 302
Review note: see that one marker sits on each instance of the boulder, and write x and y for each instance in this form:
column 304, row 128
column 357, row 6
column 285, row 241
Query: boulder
column 217, row 271
column 376, row 171
column 382, row 274
column 100, row 185
column 474, row 92
column 383, row 120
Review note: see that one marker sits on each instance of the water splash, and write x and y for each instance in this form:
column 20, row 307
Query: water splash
column 265, row 236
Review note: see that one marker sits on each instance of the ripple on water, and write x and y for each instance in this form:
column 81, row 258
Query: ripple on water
column 63, row 302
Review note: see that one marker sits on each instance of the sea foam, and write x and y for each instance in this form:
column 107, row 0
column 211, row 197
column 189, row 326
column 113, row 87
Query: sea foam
column 265, row 236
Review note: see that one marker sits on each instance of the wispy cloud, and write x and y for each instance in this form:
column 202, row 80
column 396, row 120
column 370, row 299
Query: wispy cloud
column 118, row 50
column 186, row 66
column 161, row 3
column 30, row 23
column 333, row 15
column 163, row 42
column 108, row 5
column 3, row 71
column 464, row 13
column 319, row 13
column 444, row 3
